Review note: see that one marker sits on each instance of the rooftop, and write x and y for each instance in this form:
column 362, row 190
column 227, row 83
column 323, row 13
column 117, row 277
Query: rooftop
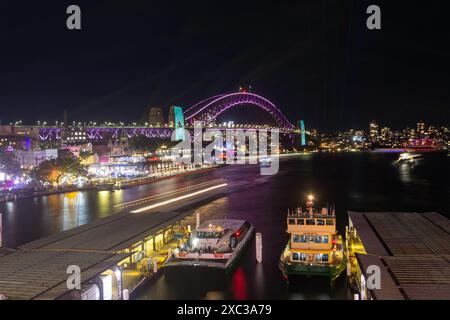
column 411, row 249
column 222, row 223
column 38, row 269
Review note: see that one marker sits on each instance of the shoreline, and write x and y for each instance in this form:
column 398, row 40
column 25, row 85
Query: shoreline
column 89, row 188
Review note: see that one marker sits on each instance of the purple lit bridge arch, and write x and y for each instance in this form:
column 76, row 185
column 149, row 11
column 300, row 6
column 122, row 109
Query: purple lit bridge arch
column 205, row 111
column 208, row 110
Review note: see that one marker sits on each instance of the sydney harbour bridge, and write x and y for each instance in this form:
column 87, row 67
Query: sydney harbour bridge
column 206, row 112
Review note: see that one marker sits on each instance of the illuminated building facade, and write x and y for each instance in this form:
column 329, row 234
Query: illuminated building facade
column 420, row 129
column 373, row 131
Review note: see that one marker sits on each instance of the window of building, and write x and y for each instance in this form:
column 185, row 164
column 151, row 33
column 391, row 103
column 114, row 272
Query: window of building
column 291, row 221
column 301, row 221
column 320, row 222
column 310, row 222
column 330, row 222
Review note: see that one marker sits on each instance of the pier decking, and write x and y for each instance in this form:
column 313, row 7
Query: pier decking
column 412, row 251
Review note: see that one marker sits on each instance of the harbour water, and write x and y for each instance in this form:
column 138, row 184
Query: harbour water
column 350, row 181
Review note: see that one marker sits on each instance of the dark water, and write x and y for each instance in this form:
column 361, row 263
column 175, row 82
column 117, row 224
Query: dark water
column 351, row 181
column 359, row 182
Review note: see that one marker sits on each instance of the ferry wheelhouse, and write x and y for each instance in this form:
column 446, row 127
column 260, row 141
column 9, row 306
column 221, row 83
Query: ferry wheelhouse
column 314, row 248
column 215, row 244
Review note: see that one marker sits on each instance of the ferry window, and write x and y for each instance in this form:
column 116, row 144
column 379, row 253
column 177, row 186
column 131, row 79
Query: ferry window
column 291, row 221
column 325, row 257
column 311, row 239
column 303, row 239
column 318, row 239
column 325, row 239
column 209, row 235
column 320, row 222
column 295, row 256
column 318, row 257
column 310, row 222
column 301, row 221
column 303, row 257
column 330, row 222
column 296, row 238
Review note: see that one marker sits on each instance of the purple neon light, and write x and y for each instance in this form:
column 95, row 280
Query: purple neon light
column 49, row 133
column 202, row 102
column 248, row 98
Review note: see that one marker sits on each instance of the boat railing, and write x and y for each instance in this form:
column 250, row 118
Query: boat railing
column 306, row 215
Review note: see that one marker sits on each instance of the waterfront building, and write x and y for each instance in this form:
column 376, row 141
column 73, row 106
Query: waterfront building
column 32, row 158
column 19, row 137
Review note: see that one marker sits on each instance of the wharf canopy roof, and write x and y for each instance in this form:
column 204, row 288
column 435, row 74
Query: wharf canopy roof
column 411, row 249
column 38, row 269
column 28, row 274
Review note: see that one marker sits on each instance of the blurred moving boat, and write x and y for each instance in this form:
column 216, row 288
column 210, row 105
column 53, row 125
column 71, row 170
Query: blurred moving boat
column 107, row 186
column 408, row 157
column 265, row 162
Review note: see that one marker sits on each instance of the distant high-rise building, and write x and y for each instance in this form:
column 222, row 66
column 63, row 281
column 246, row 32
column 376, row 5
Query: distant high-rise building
column 420, row 129
column 156, row 117
column 373, row 130
column 386, row 133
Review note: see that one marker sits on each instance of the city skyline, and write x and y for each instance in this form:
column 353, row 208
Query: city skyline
column 240, row 153
column 323, row 66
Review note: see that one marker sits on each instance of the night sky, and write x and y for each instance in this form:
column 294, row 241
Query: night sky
column 316, row 60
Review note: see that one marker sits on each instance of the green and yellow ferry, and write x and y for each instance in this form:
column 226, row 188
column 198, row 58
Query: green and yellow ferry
column 315, row 248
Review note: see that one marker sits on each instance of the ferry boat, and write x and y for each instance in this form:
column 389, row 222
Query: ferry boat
column 215, row 244
column 408, row 157
column 265, row 162
column 314, row 248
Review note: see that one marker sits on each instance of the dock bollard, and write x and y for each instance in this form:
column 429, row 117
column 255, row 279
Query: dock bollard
column 258, row 239
column 197, row 220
